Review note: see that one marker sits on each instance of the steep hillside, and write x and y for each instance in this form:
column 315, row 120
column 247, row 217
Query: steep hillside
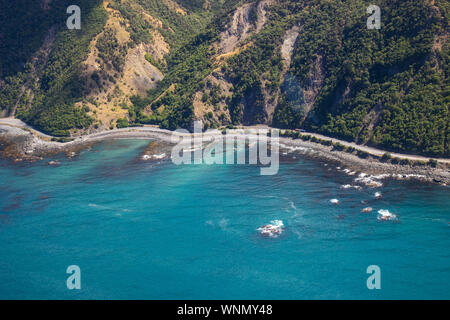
column 65, row 82
column 309, row 64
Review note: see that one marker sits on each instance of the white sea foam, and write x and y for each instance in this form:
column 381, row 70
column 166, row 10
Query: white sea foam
column 98, row 206
column 349, row 186
column 385, row 215
column 223, row 223
column 147, row 157
column 366, row 210
column 292, row 205
column 373, row 180
column 159, row 156
column 370, row 181
column 93, row 205
column 409, row 176
column 272, row 230
column 294, row 148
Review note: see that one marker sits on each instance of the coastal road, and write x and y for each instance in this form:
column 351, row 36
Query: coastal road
column 375, row 151
column 371, row 150
column 13, row 122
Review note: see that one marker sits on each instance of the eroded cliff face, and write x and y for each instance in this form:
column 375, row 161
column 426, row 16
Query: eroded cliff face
column 245, row 22
column 286, row 50
column 258, row 105
column 239, row 29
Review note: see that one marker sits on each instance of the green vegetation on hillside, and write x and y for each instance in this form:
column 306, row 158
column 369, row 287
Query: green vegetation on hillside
column 50, row 105
column 387, row 88
column 392, row 74
column 187, row 67
column 261, row 61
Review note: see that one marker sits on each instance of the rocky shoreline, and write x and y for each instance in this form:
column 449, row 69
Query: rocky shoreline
column 370, row 170
column 23, row 145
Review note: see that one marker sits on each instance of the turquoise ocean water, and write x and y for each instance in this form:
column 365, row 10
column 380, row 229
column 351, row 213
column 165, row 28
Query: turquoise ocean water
column 146, row 230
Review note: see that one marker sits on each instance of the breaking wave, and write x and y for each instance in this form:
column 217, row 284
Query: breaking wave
column 146, row 157
column 349, row 186
column 385, row 215
column 273, row 230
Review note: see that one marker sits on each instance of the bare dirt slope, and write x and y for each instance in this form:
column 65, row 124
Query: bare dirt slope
column 110, row 89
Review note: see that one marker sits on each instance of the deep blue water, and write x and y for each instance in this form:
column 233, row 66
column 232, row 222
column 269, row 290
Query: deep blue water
column 143, row 230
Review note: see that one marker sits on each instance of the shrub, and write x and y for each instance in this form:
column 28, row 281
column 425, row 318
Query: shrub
column 363, row 154
column 433, row 163
column 405, row 162
column 122, row 123
column 306, row 138
column 386, row 157
column 339, row 146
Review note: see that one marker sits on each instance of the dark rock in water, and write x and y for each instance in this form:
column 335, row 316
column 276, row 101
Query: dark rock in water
column 155, row 151
column 45, row 196
column 14, row 205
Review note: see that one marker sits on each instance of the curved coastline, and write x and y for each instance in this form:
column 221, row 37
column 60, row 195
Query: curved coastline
column 23, row 143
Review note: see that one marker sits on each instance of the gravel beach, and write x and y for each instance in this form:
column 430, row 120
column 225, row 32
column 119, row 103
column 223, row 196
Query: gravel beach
column 25, row 144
